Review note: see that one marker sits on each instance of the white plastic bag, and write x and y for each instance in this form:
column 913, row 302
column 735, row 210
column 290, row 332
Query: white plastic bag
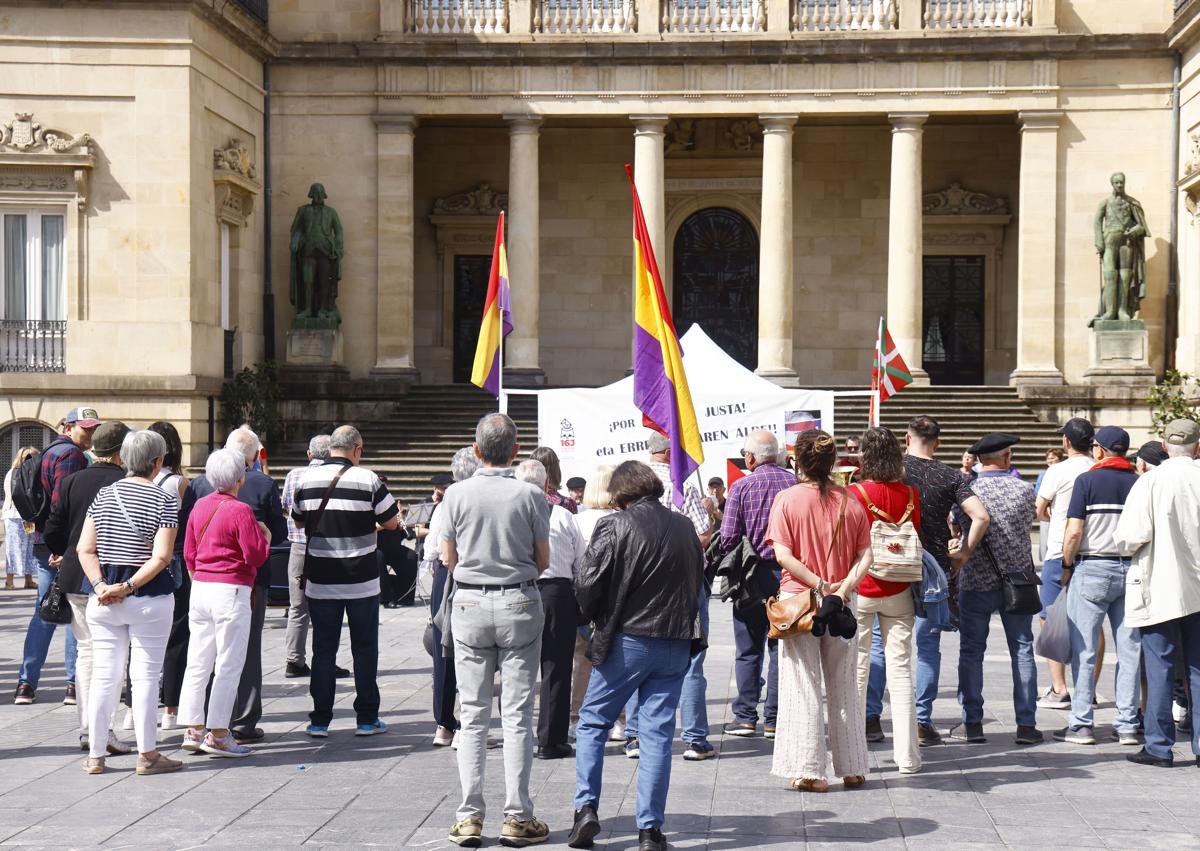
column 1054, row 640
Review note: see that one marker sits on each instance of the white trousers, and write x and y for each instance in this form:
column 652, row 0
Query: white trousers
column 800, row 739
column 83, row 661
column 895, row 615
column 138, row 626
column 219, row 622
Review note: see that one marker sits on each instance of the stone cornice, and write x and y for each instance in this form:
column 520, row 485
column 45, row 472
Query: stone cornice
column 520, row 50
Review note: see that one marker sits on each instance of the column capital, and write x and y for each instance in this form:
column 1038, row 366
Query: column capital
column 778, row 122
column 388, row 123
column 649, row 124
column 1040, row 119
column 907, row 121
column 523, row 123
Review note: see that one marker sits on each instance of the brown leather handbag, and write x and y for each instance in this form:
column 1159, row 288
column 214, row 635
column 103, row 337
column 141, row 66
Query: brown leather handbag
column 794, row 615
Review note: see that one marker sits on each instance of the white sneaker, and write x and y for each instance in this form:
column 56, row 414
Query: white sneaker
column 115, row 746
column 442, row 737
column 454, row 740
column 618, row 733
column 127, row 724
column 170, row 721
column 1178, row 711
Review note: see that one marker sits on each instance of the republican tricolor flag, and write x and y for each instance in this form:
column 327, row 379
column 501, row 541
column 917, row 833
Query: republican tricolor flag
column 889, row 375
column 660, row 387
column 497, row 320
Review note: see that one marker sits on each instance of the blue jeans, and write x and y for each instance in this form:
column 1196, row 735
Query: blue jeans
column 752, row 653
column 1051, row 585
column 975, row 614
column 39, row 634
column 653, row 669
column 929, row 666
column 1098, row 589
column 693, row 711
column 325, row 619
column 1159, row 645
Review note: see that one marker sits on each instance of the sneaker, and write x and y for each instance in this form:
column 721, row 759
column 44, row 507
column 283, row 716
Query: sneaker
column 442, row 737
column 928, row 735
column 297, row 669
column 373, row 729
column 170, row 721
column 618, row 733
column 85, row 743
column 157, row 764
column 115, row 746
column 1075, row 735
column 25, row 694
column 741, row 729
column 697, row 751
column 585, row 829
column 227, row 746
column 518, row 834
column 768, row 731
column 193, row 740
column 1125, row 737
column 874, row 730
column 1054, row 700
column 94, row 765
column 968, row 732
column 632, row 749
column 1029, row 735
column 1178, row 711
column 69, row 697
column 467, row 833
column 317, row 731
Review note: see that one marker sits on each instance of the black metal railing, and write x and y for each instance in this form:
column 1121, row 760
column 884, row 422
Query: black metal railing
column 255, row 8
column 33, row 345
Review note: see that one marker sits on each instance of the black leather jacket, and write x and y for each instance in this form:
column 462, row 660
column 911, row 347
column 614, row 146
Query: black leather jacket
column 641, row 575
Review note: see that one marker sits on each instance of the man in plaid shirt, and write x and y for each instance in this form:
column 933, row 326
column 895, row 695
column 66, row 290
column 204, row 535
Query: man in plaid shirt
column 747, row 511
column 60, row 459
column 296, row 638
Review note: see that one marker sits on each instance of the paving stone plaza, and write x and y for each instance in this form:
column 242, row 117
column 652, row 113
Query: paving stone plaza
column 397, row 790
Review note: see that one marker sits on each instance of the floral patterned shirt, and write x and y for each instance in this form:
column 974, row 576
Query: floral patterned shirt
column 1011, row 504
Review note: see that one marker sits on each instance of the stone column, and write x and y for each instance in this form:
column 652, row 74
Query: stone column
column 648, row 173
column 775, row 253
column 521, row 364
column 1037, row 250
column 905, row 248
column 394, row 248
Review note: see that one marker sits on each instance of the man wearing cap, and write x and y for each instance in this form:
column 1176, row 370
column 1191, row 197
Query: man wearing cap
column 1053, row 498
column 63, row 528
column 296, row 638
column 1010, row 505
column 64, row 456
column 1149, row 455
column 1160, row 528
column 1094, row 575
column 575, row 487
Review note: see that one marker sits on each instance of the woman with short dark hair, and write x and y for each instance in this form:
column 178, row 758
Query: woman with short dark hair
column 640, row 584
column 549, row 459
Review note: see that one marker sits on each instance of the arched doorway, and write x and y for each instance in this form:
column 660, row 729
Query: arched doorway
column 716, row 280
column 21, row 434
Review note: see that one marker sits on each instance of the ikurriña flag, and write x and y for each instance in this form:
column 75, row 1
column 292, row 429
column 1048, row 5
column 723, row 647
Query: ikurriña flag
column 889, row 373
column 497, row 320
column 660, row 387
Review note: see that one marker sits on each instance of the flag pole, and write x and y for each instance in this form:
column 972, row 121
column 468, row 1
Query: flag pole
column 501, row 395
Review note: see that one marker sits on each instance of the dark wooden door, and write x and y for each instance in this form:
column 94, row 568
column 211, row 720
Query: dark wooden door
column 716, row 280
column 952, row 329
column 470, row 291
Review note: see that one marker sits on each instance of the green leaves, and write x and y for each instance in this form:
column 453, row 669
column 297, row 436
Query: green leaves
column 1176, row 397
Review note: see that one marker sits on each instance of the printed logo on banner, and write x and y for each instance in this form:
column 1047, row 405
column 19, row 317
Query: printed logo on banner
column 566, row 438
column 795, row 422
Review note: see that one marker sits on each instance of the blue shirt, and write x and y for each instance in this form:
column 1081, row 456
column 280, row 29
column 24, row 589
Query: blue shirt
column 1097, row 500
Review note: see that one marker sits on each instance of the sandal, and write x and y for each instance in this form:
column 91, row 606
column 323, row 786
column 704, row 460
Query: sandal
column 809, row 784
column 854, row 781
column 94, row 765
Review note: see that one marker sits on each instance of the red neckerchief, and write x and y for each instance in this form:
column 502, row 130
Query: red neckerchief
column 1116, row 462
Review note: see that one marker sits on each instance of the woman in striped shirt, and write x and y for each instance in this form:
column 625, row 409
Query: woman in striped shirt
column 127, row 540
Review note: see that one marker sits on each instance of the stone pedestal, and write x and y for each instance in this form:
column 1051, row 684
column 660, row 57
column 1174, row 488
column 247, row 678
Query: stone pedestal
column 1119, row 353
column 314, row 347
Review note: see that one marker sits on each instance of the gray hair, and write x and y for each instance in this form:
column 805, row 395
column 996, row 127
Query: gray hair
column 245, row 443
column 318, row 447
column 763, row 445
column 533, row 472
column 140, row 450
column 464, row 464
column 657, row 443
column 1180, row 450
column 344, row 439
column 224, row 469
column 496, row 438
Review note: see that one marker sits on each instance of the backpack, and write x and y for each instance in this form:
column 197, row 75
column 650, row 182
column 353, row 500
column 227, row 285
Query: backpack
column 29, row 495
column 894, row 543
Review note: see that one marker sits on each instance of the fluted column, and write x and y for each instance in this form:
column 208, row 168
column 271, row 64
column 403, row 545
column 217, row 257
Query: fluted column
column 1037, row 251
column 394, row 336
column 905, row 249
column 521, row 361
column 648, row 174
column 775, row 253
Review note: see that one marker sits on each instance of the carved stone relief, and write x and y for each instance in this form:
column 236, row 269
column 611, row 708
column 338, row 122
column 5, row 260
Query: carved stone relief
column 235, row 157
column 28, row 136
column 234, row 183
column 713, row 137
column 955, row 200
column 480, row 201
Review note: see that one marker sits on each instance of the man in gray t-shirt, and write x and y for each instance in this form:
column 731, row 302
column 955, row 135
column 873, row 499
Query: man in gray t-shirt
column 496, row 541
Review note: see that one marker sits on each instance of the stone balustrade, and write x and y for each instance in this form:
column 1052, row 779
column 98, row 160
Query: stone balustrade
column 714, row 16
column 458, row 17
column 834, row 15
column 585, row 16
column 978, row 14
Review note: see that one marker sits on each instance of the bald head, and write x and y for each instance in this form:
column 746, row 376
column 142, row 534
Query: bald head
column 760, row 448
column 346, row 442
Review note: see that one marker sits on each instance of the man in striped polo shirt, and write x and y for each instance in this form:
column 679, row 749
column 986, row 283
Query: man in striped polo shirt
column 339, row 505
column 1094, row 579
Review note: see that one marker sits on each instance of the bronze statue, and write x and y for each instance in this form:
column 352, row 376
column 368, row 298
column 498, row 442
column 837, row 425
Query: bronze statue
column 1120, row 241
column 317, row 250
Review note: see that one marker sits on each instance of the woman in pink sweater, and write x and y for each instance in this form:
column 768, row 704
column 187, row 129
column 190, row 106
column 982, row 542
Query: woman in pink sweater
column 223, row 549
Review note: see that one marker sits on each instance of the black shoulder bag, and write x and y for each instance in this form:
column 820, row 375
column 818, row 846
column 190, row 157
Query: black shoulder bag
column 1020, row 587
column 54, row 607
column 311, row 526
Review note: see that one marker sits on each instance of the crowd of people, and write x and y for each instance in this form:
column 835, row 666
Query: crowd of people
column 843, row 570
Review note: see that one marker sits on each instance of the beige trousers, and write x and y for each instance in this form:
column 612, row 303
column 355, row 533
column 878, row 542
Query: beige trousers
column 895, row 615
column 581, row 674
column 801, row 737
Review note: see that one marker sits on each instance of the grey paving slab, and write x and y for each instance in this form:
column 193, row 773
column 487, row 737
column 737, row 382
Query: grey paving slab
column 398, row 791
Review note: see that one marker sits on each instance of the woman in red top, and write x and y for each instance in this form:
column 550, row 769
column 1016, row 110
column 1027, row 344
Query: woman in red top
column 883, row 488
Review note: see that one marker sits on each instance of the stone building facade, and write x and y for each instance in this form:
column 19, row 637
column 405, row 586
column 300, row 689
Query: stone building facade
column 806, row 166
